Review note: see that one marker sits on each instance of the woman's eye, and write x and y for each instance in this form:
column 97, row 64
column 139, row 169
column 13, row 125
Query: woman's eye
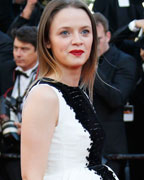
column 64, row 33
column 85, row 32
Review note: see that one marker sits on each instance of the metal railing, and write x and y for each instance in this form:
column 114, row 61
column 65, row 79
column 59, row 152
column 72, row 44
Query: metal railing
column 128, row 157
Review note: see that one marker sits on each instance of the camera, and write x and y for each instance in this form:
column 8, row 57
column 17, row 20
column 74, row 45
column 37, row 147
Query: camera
column 9, row 130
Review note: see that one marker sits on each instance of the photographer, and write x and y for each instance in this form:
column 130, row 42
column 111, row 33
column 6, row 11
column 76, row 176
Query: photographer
column 25, row 56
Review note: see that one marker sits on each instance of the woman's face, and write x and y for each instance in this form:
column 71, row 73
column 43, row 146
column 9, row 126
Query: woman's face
column 71, row 37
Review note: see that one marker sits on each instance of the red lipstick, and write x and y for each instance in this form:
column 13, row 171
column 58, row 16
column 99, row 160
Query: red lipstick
column 77, row 52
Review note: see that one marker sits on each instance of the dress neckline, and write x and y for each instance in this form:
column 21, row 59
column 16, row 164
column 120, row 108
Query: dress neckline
column 58, row 82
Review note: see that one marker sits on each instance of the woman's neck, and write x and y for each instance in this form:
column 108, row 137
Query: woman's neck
column 69, row 77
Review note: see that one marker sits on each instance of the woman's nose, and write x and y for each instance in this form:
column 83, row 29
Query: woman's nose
column 77, row 39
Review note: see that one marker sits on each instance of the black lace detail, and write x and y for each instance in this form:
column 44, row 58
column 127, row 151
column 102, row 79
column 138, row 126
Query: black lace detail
column 86, row 115
column 105, row 173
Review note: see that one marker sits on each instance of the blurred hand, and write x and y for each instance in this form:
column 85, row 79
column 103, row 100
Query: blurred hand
column 3, row 117
column 18, row 125
column 142, row 53
column 140, row 23
column 32, row 2
column 27, row 11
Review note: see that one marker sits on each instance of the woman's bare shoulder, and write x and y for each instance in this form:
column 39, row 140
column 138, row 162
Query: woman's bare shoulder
column 41, row 93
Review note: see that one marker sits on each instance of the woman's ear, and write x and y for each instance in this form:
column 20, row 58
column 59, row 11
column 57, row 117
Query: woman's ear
column 48, row 45
column 108, row 34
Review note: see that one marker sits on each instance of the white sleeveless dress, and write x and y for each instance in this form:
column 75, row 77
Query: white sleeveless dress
column 75, row 152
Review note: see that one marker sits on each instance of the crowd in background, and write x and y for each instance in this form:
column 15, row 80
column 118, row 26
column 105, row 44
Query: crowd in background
column 118, row 102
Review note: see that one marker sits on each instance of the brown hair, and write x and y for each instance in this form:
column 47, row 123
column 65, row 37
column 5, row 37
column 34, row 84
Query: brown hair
column 100, row 18
column 47, row 64
column 26, row 34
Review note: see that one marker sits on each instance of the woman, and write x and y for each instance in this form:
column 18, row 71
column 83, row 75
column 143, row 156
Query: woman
column 61, row 136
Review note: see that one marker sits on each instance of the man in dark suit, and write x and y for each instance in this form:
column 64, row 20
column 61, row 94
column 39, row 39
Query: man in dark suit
column 6, row 62
column 119, row 14
column 122, row 39
column 114, row 83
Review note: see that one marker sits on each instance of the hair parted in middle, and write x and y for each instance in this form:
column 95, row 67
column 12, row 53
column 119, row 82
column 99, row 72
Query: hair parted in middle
column 100, row 18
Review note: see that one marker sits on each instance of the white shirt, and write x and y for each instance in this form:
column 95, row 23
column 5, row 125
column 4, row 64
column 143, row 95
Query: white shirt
column 123, row 3
column 24, row 84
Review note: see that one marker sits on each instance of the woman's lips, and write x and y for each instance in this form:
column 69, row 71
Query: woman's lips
column 77, row 52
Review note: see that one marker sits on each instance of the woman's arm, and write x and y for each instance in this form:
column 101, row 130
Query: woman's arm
column 39, row 118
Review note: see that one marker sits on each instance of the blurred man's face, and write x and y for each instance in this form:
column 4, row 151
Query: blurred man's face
column 25, row 54
column 103, row 39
